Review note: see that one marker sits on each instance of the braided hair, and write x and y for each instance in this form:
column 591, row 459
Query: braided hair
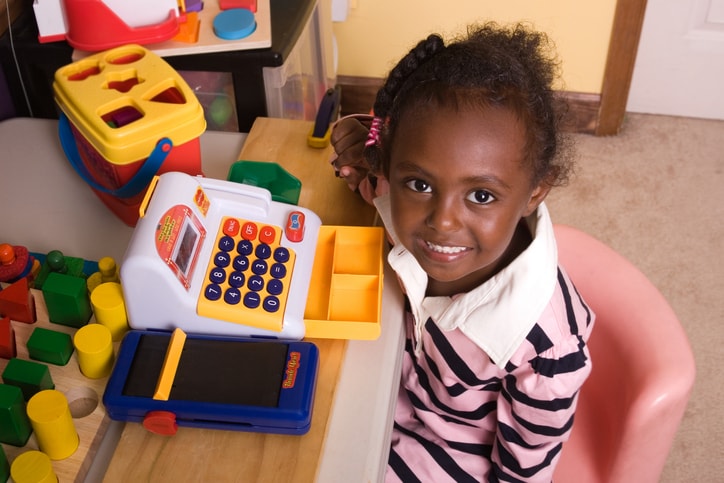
column 491, row 66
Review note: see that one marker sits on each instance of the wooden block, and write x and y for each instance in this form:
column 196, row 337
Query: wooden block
column 229, row 4
column 4, row 466
column 17, row 302
column 8, row 348
column 56, row 262
column 50, row 346
column 15, row 425
column 33, row 465
column 31, row 377
column 84, row 397
column 67, row 301
column 189, row 30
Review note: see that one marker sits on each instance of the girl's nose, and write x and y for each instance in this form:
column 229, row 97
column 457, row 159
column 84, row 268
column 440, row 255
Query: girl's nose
column 444, row 215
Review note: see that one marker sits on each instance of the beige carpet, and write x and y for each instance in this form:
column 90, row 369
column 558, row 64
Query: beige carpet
column 655, row 193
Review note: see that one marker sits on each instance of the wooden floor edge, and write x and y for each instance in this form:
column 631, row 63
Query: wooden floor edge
column 358, row 96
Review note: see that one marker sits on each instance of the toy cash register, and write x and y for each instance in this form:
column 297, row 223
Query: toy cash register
column 218, row 257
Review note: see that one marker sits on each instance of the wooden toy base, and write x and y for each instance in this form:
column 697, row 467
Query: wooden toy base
column 84, row 398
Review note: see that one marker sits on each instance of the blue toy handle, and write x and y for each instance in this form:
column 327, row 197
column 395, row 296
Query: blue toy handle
column 135, row 185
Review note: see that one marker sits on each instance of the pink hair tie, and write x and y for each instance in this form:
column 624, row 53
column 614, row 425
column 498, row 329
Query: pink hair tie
column 373, row 138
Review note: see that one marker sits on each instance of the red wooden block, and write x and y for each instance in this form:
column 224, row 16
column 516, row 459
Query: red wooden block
column 229, row 4
column 8, row 349
column 17, row 302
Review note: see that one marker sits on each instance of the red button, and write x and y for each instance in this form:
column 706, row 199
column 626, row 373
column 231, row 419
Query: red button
column 294, row 230
column 231, row 227
column 248, row 231
column 161, row 422
column 267, row 235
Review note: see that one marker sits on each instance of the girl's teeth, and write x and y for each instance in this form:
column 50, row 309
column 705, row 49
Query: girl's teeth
column 442, row 249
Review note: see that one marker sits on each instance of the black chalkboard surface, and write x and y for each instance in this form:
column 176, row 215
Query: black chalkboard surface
column 220, row 382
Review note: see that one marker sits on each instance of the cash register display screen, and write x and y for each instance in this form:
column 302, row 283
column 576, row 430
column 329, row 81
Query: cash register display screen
column 186, row 248
column 179, row 237
column 212, row 371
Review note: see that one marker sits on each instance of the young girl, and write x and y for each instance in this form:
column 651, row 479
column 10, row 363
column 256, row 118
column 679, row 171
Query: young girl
column 461, row 154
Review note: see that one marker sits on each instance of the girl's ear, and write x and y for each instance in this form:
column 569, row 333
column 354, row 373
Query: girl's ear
column 537, row 196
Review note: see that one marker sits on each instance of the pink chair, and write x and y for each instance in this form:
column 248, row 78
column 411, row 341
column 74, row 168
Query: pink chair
column 643, row 370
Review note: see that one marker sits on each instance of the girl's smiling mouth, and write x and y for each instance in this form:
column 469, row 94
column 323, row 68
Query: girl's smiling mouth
column 445, row 249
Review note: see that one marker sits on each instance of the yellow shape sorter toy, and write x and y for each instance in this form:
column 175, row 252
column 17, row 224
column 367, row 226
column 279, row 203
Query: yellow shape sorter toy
column 127, row 87
column 119, row 108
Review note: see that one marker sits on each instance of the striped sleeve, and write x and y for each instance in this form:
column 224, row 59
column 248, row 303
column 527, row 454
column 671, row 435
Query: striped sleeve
column 537, row 402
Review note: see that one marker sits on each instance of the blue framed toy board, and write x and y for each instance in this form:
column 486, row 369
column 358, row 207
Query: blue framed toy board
column 228, row 383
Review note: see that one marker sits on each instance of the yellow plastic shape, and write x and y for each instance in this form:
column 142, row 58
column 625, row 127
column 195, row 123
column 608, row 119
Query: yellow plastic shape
column 32, row 466
column 170, row 365
column 82, row 93
column 94, row 349
column 52, row 423
column 345, row 293
column 110, row 308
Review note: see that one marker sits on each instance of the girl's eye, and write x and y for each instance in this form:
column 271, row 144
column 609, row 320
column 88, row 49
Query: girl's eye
column 418, row 186
column 481, row 197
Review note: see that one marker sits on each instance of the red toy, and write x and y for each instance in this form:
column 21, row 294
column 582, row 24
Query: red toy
column 92, row 26
column 229, row 4
column 15, row 262
column 17, row 302
column 8, row 348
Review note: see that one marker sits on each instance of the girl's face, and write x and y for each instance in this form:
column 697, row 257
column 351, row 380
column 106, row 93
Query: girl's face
column 458, row 188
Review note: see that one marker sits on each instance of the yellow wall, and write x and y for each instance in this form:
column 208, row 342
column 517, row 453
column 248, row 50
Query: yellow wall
column 377, row 33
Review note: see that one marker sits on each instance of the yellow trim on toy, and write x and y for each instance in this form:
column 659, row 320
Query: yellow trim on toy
column 317, row 142
column 170, row 365
column 147, row 197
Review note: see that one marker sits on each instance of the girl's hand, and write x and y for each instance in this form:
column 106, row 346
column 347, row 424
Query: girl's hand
column 348, row 140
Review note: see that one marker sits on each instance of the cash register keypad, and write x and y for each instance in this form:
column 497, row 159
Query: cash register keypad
column 248, row 275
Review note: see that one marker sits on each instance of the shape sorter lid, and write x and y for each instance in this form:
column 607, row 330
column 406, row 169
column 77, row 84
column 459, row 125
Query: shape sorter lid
column 125, row 99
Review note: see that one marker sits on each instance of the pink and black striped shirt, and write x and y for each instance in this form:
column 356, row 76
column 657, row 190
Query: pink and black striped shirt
column 490, row 378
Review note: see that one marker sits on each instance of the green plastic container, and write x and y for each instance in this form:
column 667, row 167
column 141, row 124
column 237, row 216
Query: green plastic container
column 283, row 187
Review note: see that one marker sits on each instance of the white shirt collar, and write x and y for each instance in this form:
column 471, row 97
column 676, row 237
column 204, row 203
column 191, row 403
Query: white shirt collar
column 497, row 315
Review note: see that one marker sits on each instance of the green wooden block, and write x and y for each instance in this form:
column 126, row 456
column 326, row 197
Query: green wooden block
column 72, row 266
column 50, row 346
column 4, row 466
column 15, row 427
column 66, row 298
column 31, row 377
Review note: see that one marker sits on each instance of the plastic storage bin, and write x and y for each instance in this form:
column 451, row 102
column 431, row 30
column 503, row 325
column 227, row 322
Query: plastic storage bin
column 294, row 89
column 131, row 116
